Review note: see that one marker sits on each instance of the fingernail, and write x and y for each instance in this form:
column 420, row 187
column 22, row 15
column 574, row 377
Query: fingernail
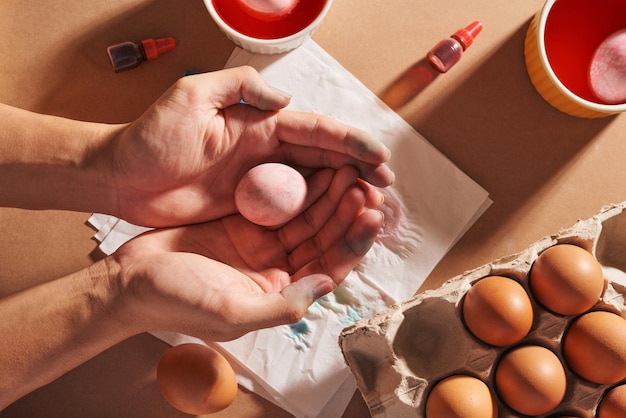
column 362, row 185
column 361, row 246
column 282, row 93
column 362, row 242
column 373, row 197
column 320, row 285
column 383, row 176
column 389, row 174
column 377, row 198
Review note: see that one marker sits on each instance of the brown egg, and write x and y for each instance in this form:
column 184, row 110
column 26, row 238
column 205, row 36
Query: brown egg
column 613, row 404
column 196, row 379
column 595, row 347
column 498, row 310
column 531, row 379
column 567, row 279
column 461, row 396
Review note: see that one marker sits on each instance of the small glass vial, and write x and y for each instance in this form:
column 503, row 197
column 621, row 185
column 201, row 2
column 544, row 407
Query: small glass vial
column 449, row 51
column 127, row 55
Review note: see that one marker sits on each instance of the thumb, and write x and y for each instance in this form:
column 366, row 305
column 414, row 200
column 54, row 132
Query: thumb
column 306, row 290
column 267, row 310
column 230, row 86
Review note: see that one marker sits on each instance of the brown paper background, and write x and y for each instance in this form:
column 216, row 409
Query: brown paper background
column 544, row 169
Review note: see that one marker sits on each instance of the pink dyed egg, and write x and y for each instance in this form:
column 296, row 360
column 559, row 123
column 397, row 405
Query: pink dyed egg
column 268, row 9
column 607, row 73
column 270, row 194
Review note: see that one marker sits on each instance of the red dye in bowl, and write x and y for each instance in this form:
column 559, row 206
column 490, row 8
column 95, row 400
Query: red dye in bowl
column 304, row 13
column 574, row 30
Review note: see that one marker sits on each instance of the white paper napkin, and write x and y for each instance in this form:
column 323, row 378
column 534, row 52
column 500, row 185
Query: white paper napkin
column 428, row 208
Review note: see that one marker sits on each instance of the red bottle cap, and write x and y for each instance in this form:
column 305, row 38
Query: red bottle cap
column 466, row 35
column 155, row 47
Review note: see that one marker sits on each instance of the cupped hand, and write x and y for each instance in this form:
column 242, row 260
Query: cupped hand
column 180, row 162
column 222, row 279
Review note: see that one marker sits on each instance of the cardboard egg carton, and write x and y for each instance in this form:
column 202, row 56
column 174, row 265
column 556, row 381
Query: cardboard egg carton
column 398, row 355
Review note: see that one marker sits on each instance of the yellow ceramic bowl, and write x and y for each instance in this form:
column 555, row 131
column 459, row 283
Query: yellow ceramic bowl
column 560, row 42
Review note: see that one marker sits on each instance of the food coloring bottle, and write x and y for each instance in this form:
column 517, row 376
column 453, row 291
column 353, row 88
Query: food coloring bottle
column 127, row 55
column 449, row 51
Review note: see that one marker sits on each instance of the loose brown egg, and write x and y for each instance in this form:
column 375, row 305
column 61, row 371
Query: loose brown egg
column 461, row 396
column 595, row 347
column 196, row 379
column 531, row 379
column 498, row 310
column 270, row 194
column 613, row 404
column 567, row 279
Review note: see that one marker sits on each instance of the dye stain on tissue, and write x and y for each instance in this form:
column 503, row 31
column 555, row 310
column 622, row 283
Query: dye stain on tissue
column 299, row 332
column 300, row 327
column 352, row 315
column 347, row 308
column 400, row 235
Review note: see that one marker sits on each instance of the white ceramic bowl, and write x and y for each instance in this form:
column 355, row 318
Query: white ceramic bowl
column 267, row 46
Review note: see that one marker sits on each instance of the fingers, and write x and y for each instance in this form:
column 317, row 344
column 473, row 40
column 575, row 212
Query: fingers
column 374, row 197
column 341, row 229
column 307, row 224
column 317, row 184
column 228, row 87
column 306, row 139
column 337, row 257
column 339, row 260
column 324, row 132
column 379, row 175
column 311, row 140
column 325, row 259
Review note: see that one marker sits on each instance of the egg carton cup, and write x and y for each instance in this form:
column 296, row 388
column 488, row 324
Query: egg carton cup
column 398, row 355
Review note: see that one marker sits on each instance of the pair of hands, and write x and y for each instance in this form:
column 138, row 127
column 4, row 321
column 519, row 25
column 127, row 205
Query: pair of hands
column 219, row 276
